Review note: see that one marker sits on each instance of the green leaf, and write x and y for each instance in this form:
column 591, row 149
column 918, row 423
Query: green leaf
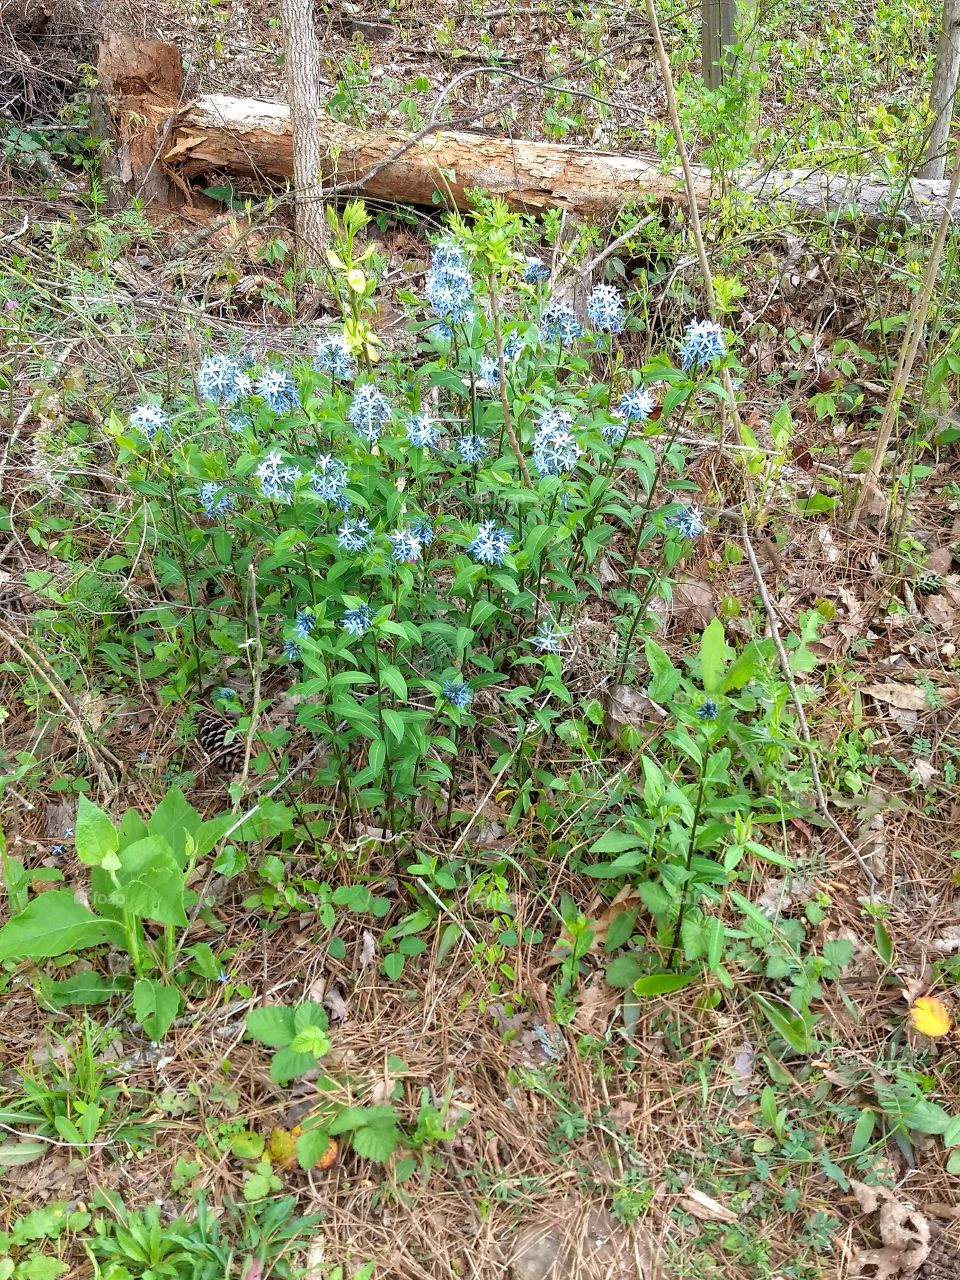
column 311, row 1040
column 40, row 1266
column 52, row 924
column 23, row 1152
column 272, row 1024
column 310, row 1014
column 713, row 654
column 86, row 988
column 392, row 677
column 951, row 1135
column 155, row 1006
column 247, row 1145
column 659, row 984
column 395, row 723
column 287, row 1065
column 403, row 1170
column 150, row 881
column 393, row 965
column 451, row 934
column 312, row 1146
column 378, row 1140
column 793, row 1029
column 620, row 929
column 619, row 842
column 175, row 821
column 96, row 837
column 863, row 1131
column 666, row 677
column 624, row 971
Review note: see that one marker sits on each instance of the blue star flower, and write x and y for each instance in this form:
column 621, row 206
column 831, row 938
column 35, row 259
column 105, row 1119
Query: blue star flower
column 357, row 621
column 614, row 431
column 305, row 624
column 555, row 451
column 637, row 405
column 67, row 833
column 276, row 480
column 472, row 448
column 405, row 546
column 422, row 433
column 535, row 271
column 512, row 347
column 354, row 535
column 688, row 521
column 458, row 694
column 223, row 977
column 278, row 389
column 369, row 412
column 605, row 308
column 449, row 287
column 488, row 370
column 214, row 499
column 225, row 693
column 57, row 848
column 702, row 343
column 708, row 710
column 329, row 477
column 149, row 420
column 559, row 324
column 547, row 638
column 221, row 379
column 333, row 357
column 291, row 650
column 422, row 529
column 490, row 545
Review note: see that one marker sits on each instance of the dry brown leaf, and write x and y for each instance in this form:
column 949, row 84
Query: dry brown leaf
column 904, row 1232
column 693, row 603
column 906, row 697
column 368, row 951
column 628, row 708
column 743, row 1070
column 705, row 1207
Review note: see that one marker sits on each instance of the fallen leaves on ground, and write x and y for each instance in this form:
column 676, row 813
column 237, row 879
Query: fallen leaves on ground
column 930, row 1017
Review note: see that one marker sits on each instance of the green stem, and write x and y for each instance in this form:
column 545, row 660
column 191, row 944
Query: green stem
column 691, row 849
column 187, row 581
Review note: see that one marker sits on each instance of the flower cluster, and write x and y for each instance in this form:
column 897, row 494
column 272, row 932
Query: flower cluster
column 277, row 389
column 490, row 545
column 422, row 530
column 708, row 710
column 449, row 287
column 149, row 420
column 488, row 370
column 405, row 546
column 605, row 308
column 369, row 412
column 422, row 433
column 547, row 638
column 703, row 342
column 535, row 271
column 512, row 347
column 221, row 379
column 555, row 451
column 332, row 356
column 291, row 650
column 354, row 535
column 276, row 480
column 458, row 694
column 358, row 620
column 305, row 624
column 559, row 324
column 214, row 499
column 636, row 405
column 329, row 478
column 471, row 448
column 688, row 521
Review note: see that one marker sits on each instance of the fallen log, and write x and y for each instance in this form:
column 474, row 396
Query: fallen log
column 251, row 138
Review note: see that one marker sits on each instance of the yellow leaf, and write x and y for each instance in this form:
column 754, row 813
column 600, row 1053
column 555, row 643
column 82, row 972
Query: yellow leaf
column 356, row 280
column 930, row 1017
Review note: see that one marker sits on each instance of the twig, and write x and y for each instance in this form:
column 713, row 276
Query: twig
column 774, row 624
column 908, row 350
column 256, row 667
column 613, row 246
column 501, row 366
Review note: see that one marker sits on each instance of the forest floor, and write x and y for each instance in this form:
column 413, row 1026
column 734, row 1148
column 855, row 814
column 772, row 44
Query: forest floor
column 524, row 1064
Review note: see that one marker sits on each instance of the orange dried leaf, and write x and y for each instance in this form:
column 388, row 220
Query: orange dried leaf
column 930, row 1017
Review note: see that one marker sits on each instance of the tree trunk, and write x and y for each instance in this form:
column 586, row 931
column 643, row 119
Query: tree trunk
column 718, row 35
column 252, row 138
column 302, row 65
column 943, row 91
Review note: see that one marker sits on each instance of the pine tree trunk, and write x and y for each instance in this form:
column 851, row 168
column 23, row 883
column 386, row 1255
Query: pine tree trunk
column 302, row 65
column 943, row 91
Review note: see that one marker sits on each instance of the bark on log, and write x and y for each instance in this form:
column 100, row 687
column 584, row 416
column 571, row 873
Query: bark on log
column 249, row 137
